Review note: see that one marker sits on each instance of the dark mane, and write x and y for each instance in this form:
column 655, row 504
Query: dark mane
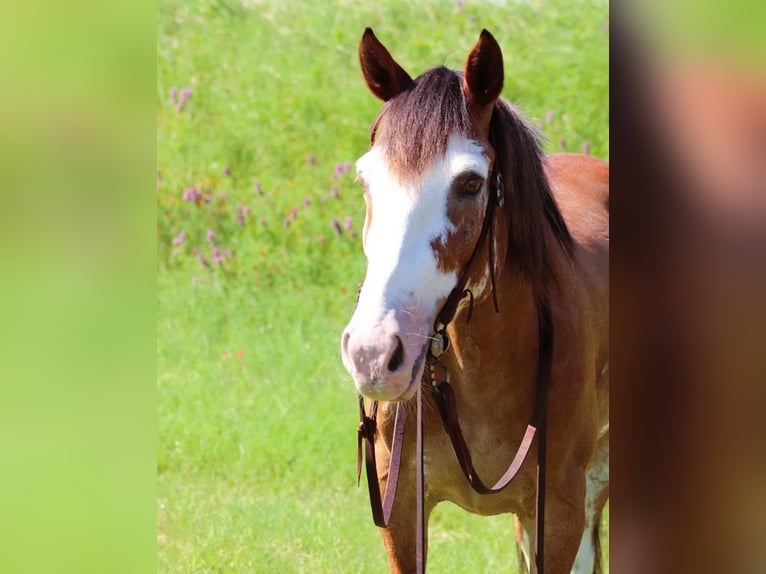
column 529, row 202
column 414, row 128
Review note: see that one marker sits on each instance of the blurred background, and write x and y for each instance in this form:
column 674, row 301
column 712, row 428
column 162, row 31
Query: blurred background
column 688, row 323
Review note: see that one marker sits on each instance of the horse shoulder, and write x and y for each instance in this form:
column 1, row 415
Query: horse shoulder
column 580, row 185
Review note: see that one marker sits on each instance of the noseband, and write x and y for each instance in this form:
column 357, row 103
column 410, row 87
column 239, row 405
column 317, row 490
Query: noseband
column 436, row 375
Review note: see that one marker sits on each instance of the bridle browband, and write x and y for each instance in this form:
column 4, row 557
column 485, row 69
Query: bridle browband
column 444, row 398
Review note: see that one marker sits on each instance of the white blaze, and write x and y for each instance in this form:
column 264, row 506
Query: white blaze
column 406, row 218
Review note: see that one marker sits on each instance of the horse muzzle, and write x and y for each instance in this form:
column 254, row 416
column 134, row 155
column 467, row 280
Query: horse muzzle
column 385, row 356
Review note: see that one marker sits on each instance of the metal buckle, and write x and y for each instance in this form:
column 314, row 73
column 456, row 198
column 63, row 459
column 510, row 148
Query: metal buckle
column 439, row 343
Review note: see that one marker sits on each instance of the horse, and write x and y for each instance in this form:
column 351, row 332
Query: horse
column 463, row 210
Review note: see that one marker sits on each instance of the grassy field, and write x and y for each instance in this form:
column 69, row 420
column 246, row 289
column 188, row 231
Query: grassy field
column 261, row 113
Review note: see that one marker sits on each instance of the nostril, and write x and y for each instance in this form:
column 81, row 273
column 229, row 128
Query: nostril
column 397, row 358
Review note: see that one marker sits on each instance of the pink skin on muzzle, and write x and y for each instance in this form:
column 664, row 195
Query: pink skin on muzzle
column 385, row 356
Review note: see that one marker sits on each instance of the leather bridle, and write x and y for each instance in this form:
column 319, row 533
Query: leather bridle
column 444, row 398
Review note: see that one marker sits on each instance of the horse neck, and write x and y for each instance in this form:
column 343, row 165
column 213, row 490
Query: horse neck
column 492, row 344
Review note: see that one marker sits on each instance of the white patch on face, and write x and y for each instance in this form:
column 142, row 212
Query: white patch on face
column 402, row 272
column 406, row 218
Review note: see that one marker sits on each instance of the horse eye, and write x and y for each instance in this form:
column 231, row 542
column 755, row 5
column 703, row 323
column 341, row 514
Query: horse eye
column 472, row 187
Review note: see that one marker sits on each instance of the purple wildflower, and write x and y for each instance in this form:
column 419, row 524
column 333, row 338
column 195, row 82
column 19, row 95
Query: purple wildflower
column 287, row 222
column 338, row 170
column 336, row 226
column 185, row 95
column 306, row 202
column 347, row 223
column 347, row 166
column 293, row 213
column 227, row 171
column 548, row 116
column 217, row 256
column 173, row 94
column 243, row 212
column 192, row 194
column 334, row 192
column 180, row 238
column 209, row 236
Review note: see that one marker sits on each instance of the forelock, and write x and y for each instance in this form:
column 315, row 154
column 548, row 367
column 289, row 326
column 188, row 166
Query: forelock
column 415, row 127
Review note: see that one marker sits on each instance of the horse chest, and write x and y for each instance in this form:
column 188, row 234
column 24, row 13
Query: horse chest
column 492, row 449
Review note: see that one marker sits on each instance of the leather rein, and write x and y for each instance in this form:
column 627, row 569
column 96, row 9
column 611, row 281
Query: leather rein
column 444, row 397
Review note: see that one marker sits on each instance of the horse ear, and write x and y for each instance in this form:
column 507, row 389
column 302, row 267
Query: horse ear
column 383, row 75
column 483, row 74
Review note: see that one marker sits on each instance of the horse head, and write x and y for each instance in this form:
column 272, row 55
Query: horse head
column 427, row 181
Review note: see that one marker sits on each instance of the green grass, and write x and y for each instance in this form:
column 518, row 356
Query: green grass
column 257, row 418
